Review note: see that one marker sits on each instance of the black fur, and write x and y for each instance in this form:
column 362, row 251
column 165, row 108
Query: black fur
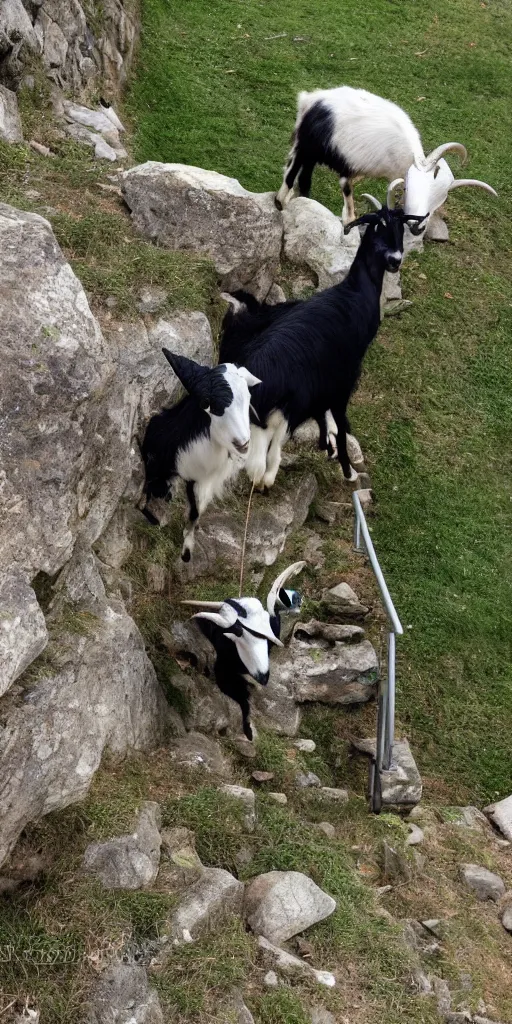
column 168, row 432
column 312, row 146
column 309, row 359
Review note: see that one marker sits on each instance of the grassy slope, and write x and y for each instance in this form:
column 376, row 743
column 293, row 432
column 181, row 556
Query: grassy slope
column 434, row 408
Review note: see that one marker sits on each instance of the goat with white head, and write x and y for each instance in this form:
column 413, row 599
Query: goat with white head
column 204, row 439
column 242, row 632
column 359, row 135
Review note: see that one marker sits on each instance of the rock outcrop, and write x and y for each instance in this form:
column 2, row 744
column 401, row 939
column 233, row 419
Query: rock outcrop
column 79, row 52
column 313, row 237
column 184, row 207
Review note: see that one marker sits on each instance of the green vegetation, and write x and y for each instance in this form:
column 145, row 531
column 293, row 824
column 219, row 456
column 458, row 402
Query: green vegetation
column 216, row 87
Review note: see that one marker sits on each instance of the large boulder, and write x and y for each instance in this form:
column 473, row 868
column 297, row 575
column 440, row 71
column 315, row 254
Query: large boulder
column 485, row 884
column 313, row 237
column 328, row 672
column 101, row 693
column 23, row 633
column 184, row 207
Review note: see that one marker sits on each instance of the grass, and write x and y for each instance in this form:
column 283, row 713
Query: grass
column 216, row 87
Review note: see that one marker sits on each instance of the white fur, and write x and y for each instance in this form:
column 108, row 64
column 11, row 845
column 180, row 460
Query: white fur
column 379, row 140
column 252, row 650
column 265, row 450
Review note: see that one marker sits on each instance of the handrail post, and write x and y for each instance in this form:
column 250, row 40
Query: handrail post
column 390, row 717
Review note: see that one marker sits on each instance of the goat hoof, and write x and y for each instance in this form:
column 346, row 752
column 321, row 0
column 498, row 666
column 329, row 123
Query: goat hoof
column 185, row 556
column 278, row 204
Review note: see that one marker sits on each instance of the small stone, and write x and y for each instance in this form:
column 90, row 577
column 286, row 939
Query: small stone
column 132, row 861
column 502, row 843
column 238, row 1007
column 435, row 926
column 342, row 600
column 421, row 982
column 111, row 303
column 419, row 859
column 437, row 229
column 244, row 856
column 245, row 747
column 306, row 780
column 501, row 816
column 214, row 897
column 306, row 746
column 327, row 829
column 485, row 884
column 443, row 996
column 197, row 751
column 178, row 845
column 151, row 298
column 416, row 814
column 506, row 918
column 122, row 993
column 395, row 866
column 39, row 148
column 271, row 980
column 275, row 295
column 278, row 798
column 354, row 452
column 247, row 798
column 261, row 777
column 416, row 835
column 365, row 496
column 10, row 121
column 338, row 796
column 289, row 963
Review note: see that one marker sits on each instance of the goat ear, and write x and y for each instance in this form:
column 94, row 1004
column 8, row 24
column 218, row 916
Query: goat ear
column 194, row 377
column 248, row 376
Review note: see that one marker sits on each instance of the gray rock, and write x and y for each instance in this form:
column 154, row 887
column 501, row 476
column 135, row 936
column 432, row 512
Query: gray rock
column 247, row 799
column 365, row 495
column 278, row 798
column 337, row 796
column 395, row 866
column 305, row 746
column 151, row 299
column 105, row 696
column 123, row 995
column 216, row 896
column 207, row 709
column 330, row 673
column 281, row 904
column 321, row 1016
column 416, row 835
column 178, row 847
column 421, row 982
column 274, row 707
column 197, row 751
column 275, row 295
column 506, row 918
column 327, row 829
column 501, row 816
column 314, row 237
column 131, row 861
column 23, row 633
column 239, row 1012
column 290, row 964
column 437, row 229
column 342, row 600
column 443, row 996
column 485, row 884
column 401, row 785
column 10, row 121
column 219, row 538
column 261, row 777
column 330, row 631
column 271, row 980
column 183, row 207
column 466, row 817
column 306, row 780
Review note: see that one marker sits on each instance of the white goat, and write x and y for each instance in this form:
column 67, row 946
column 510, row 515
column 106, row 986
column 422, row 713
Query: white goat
column 359, row 135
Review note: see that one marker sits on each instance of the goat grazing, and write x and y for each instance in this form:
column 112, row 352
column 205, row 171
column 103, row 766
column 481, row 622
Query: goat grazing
column 310, row 359
column 242, row 631
column 244, row 321
column 204, row 439
column 359, row 135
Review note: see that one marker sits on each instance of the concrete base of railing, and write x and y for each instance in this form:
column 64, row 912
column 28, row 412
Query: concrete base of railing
column 401, row 786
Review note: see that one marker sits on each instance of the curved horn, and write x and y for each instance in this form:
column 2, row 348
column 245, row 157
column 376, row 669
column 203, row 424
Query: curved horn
column 213, row 606
column 390, row 197
column 371, row 199
column 473, row 181
column 436, row 154
column 286, row 574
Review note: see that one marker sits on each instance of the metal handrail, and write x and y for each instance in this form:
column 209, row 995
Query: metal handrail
column 386, row 705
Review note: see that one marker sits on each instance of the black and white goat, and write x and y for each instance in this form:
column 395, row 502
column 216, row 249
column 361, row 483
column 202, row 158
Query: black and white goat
column 242, row 632
column 204, row 439
column 360, row 135
column 245, row 319
column 310, row 359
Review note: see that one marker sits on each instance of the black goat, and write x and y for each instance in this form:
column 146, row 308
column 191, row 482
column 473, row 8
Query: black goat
column 310, row 359
column 242, row 631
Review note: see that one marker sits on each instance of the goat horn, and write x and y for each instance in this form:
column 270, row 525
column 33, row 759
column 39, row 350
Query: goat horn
column 213, row 606
column 286, row 574
column 436, row 154
column 472, row 181
column 371, row 199
column 390, row 197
